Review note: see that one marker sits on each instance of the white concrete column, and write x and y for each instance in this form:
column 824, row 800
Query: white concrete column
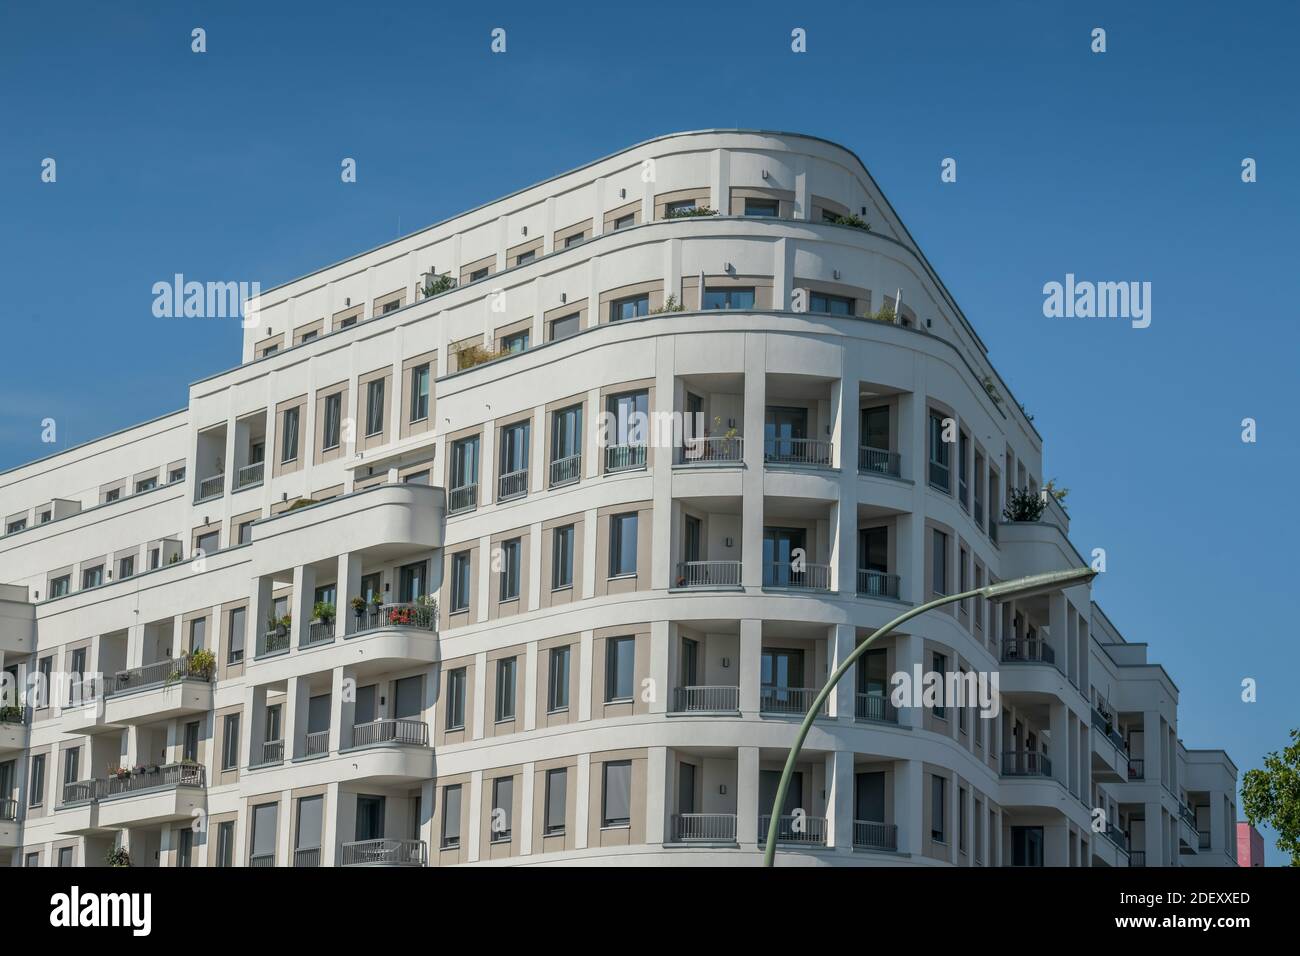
column 304, row 599
column 909, row 649
column 750, row 675
column 751, row 479
column 1152, row 738
column 255, row 722
column 747, row 809
column 659, row 633
column 909, row 803
column 843, row 640
column 581, row 812
column 530, row 686
column 348, row 586
column 586, row 645
column 1059, row 752
column 839, row 800
column 284, row 830
column 481, row 677
column 329, row 838
column 341, row 711
column 260, row 604
column 656, row 797
column 295, row 717
column 525, row 826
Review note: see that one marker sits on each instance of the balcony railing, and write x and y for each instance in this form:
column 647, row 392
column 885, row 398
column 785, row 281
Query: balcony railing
column 9, row 809
column 512, row 485
column 1116, row 836
column 624, row 458
column 269, row 752
column 794, row 828
column 318, row 632
column 565, row 471
column 806, row 452
column 878, row 584
column 154, row 675
column 1204, row 842
column 317, row 743
column 384, row 853
column 80, row 791
column 712, row 451
column 152, row 778
column 1137, row 857
column 414, row 614
column 787, row 700
column 262, row 860
column 1136, row 768
column 306, row 856
column 1027, row 650
column 389, row 731
column 273, row 641
column 211, row 487
column 870, row 835
column 250, row 475
column 876, row 707
column 704, row 827
column 708, row 574
column 1107, row 729
column 1025, row 763
column 809, row 577
column 709, row 699
column 461, row 499
column 878, row 461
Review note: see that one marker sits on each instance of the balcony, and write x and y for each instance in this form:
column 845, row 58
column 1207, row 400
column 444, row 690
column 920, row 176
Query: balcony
column 157, row 674
column 159, row 691
column 1025, row 763
column 870, row 835
column 566, row 471
column 512, row 485
column 1116, row 836
column 211, row 487
column 624, row 458
column 808, row 577
column 706, row 699
column 794, row 829
column 878, row 584
column 410, row 614
column 1027, row 651
column 262, row 860
column 307, row 856
column 1189, row 837
column 712, row 451
column 268, row 753
column 13, row 732
column 402, row 733
column 317, row 632
column 384, row 853
column 462, row 499
column 8, row 810
column 144, row 796
column 799, row 452
column 877, row 461
column 275, row 641
column 1136, row 769
column 788, row 701
column 1106, row 729
column 249, row 475
column 875, row 707
column 317, row 744
column 707, row 575
column 704, row 827
column 1137, row 858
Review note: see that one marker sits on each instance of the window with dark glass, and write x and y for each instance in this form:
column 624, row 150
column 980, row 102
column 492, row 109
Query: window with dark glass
column 562, row 557
column 622, row 544
column 460, row 581
column 631, row 307
column 731, row 298
column 557, row 692
column 374, row 407
column 620, row 668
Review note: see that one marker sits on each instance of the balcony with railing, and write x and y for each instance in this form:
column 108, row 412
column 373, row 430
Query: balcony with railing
column 273, row 641
column 1106, row 728
column 624, row 458
column 384, row 853
column 247, row 476
column 268, row 753
column 149, row 676
column 875, row 707
column 707, row 575
column 210, row 487
column 1116, row 836
column 871, row 835
column 8, row 810
column 712, row 451
column 1027, row 651
column 706, row 699
column 1025, row 763
column 704, row 827
column 462, row 499
column 565, row 471
column 799, row 577
column 1136, row 768
column 1189, row 836
column 512, row 485
column 878, row 461
column 1137, row 858
column 306, row 856
column 390, row 731
column 419, row 615
column 787, row 701
column 138, row 782
column 317, row 744
column 317, row 632
column 262, row 860
column 794, row 829
column 878, row 584
column 799, row 452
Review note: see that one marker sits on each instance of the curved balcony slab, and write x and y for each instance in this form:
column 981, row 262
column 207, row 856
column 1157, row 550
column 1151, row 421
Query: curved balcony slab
column 382, row 765
column 705, row 481
column 785, row 481
column 1035, row 547
column 151, row 807
column 161, row 702
column 382, row 647
column 12, row 737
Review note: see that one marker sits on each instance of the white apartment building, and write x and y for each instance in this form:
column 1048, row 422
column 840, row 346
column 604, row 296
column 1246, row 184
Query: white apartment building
column 580, row 640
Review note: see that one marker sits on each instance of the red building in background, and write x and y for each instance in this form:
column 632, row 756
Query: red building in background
column 1250, row 845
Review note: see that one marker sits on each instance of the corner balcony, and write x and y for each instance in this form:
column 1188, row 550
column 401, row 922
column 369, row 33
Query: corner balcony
column 707, row 575
column 787, row 701
column 387, row 752
column 1025, row 763
column 875, row 708
column 1109, row 752
column 384, row 853
column 719, row 452
column 145, row 796
column 704, row 828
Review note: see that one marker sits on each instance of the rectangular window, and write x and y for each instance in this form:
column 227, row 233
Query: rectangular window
column 503, row 808
column 623, row 222
column 762, row 207
column 92, row 577
column 456, row 699
column 59, row 586
column 113, row 495
column 963, row 459
column 1026, row 846
column 518, row 342
column 631, row 307
column 961, row 708
column 939, row 471
column 681, row 207
column 460, row 582
column 562, row 557
column 333, row 430
column 245, row 532
column 830, row 304
column 576, row 239
column 938, row 790
column 939, row 562
column 557, row 692
column 208, row 543
column 515, row 442
column 289, row 440
column 44, row 668
column 963, row 580
column 410, row 582
column 622, row 544
column 36, row 782
column 565, row 326
column 511, row 558
column 961, row 819
column 190, row 748
column 14, row 527
column 65, row 854
column 729, row 298
column 226, row 843
column 420, row 392
column 616, row 794
column 175, row 475
column 940, row 662
column 451, row 816
column 478, row 274
column 237, row 618
column 464, row 462
column 126, row 567
column 374, row 408
column 262, row 840
column 566, row 445
column 71, row 765
column 557, row 793
column 505, row 709
column 620, row 668
column 230, row 742
column 146, row 484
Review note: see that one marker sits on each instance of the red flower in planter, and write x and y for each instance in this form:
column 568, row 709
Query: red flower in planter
column 399, row 616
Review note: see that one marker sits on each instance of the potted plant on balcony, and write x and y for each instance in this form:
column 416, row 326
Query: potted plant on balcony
column 1023, row 506
column 399, row 615
column 283, row 625
column 119, row 773
column 324, row 611
column 202, row 663
column 117, row 856
column 11, row 714
column 376, row 602
column 358, row 607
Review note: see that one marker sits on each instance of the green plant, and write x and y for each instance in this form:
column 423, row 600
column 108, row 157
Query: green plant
column 302, row 503
column 670, row 305
column 323, row 611
column 358, row 606
column 1060, row 494
column 11, row 714
column 856, row 222
column 689, row 213
column 884, row 315
column 471, row 355
column 176, row 556
column 1272, row 795
column 202, row 662
column 438, row 285
column 117, row 856
column 1023, row 505
column 376, row 599
column 1025, row 412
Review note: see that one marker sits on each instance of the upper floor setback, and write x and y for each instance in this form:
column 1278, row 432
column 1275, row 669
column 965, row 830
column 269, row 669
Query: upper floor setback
column 678, row 176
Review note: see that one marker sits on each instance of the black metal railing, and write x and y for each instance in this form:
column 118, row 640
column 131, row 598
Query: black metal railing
column 1025, row 763
column 878, row 461
column 878, row 584
column 624, row 457
column 876, row 707
column 416, row 614
column 391, row 731
column 706, row 699
column 155, row 675
column 870, row 835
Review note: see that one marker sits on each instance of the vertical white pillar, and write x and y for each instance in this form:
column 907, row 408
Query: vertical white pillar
column 747, row 809
column 750, row 667
column 839, row 799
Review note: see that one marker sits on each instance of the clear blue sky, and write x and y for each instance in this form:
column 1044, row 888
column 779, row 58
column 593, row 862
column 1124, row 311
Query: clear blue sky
column 1125, row 165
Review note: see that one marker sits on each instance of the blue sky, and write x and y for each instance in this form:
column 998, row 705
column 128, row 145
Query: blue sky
column 1118, row 166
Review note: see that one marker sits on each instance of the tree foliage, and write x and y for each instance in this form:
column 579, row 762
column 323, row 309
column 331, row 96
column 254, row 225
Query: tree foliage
column 1272, row 796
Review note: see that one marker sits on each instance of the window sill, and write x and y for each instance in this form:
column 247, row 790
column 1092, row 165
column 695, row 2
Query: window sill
column 622, row 577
